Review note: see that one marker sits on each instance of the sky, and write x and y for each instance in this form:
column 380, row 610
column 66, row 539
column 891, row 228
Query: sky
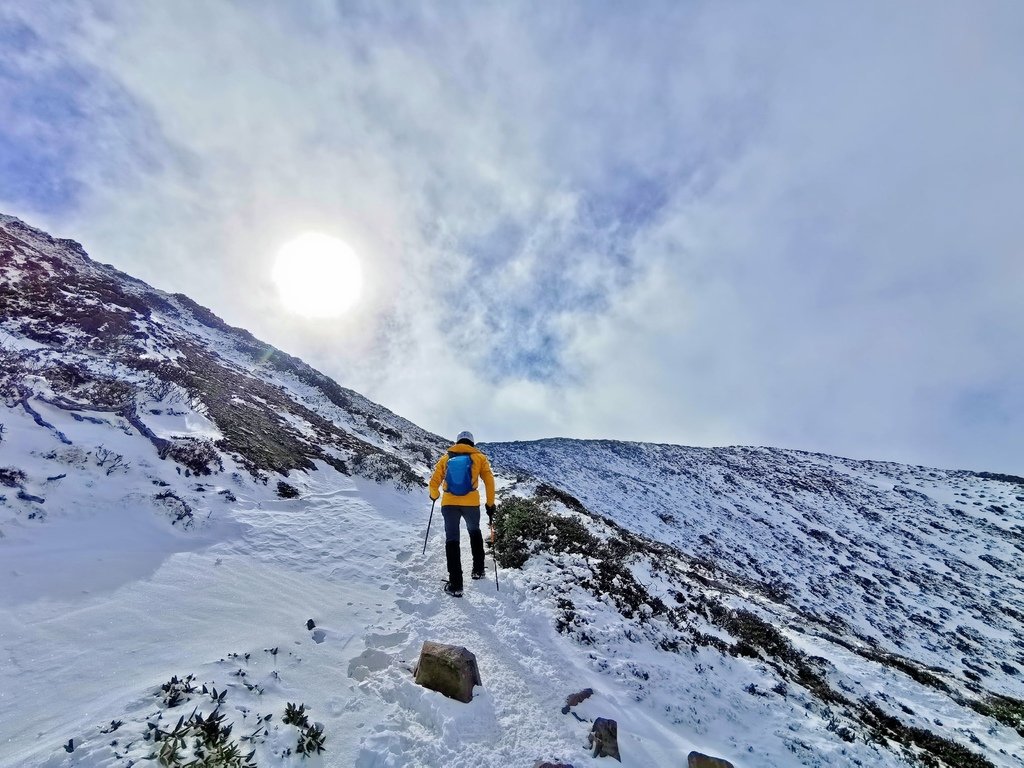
column 793, row 224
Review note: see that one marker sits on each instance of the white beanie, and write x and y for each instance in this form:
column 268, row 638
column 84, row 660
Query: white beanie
column 465, row 435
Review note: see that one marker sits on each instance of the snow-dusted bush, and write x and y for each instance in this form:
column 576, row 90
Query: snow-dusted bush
column 524, row 525
column 110, row 461
column 180, row 511
column 383, row 467
column 286, row 491
column 12, row 477
column 73, row 456
column 203, row 738
column 201, row 457
column 202, row 741
column 421, row 452
column 311, row 737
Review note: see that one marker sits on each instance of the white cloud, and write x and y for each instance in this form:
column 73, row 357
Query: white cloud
column 699, row 223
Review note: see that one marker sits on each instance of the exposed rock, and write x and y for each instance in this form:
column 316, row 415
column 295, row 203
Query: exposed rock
column 698, row 760
column 576, row 698
column 448, row 669
column 604, row 738
column 310, row 624
column 544, row 764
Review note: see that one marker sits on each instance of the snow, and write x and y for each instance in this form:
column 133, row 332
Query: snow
column 177, row 422
column 18, row 343
column 104, row 600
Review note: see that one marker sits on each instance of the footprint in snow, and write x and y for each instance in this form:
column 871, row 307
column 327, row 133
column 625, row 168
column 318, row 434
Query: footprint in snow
column 403, row 556
column 423, row 609
column 368, row 662
column 374, row 640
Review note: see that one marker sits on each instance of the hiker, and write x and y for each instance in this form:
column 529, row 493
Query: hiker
column 461, row 469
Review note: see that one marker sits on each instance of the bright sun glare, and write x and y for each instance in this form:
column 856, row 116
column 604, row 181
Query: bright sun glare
column 318, row 275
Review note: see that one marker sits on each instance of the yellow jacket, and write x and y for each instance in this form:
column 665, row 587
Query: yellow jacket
column 481, row 469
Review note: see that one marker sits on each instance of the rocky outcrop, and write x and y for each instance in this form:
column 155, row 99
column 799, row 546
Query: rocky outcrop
column 604, row 738
column 698, row 760
column 448, row 669
column 576, row 698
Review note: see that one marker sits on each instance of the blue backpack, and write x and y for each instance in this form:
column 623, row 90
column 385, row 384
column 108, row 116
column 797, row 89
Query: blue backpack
column 458, row 475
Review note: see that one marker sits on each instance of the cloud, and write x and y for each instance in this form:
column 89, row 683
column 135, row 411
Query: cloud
column 692, row 223
column 854, row 270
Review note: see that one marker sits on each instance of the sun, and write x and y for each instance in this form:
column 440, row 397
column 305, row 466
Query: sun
column 318, row 275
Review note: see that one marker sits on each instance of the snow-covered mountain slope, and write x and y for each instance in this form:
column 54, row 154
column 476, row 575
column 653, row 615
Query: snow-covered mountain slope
column 892, row 570
column 177, row 499
column 75, row 332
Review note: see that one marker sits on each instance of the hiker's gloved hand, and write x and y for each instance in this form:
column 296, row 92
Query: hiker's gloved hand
column 435, row 496
column 490, row 509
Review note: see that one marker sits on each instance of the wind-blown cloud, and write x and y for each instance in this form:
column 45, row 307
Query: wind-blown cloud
column 694, row 222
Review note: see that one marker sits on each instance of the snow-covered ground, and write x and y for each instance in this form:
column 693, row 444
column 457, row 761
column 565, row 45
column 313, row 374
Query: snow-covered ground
column 103, row 599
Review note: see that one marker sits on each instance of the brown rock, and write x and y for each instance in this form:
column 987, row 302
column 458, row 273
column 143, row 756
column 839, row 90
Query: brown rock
column 448, row 669
column 576, row 698
column 698, row 760
column 604, row 738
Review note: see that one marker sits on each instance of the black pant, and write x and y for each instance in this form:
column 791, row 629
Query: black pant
column 452, row 515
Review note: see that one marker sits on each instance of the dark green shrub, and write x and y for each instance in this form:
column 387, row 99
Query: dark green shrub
column 1006, row 710
column 311, row 737
column 286, row 491
column 521, row 524
column 295, row 715
column 11, row 477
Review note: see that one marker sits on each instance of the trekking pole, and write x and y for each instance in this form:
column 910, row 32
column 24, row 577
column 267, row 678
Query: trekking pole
column 429, row 521
column 494, row 557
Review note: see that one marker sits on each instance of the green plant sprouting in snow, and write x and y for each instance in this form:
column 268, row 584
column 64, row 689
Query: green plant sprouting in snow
column 205, row 740
column 311, row 737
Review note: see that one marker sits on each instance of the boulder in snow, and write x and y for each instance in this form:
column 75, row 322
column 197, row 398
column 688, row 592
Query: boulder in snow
column 448, row 669
column 698, row 760
column 576, row 698
column 604, row 738
column 544, row 764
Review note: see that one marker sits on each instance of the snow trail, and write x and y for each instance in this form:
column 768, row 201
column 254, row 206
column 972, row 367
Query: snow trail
column 347, row 555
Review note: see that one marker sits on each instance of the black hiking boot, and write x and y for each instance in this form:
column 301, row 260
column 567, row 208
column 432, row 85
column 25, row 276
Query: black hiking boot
column 453, row 556
column 476, row 544
column 450, row 590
